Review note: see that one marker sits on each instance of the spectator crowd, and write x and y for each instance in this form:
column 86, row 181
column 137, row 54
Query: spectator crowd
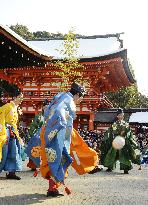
column 93, row 138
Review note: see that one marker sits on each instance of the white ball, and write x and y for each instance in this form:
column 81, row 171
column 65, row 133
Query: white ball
column 118, row 143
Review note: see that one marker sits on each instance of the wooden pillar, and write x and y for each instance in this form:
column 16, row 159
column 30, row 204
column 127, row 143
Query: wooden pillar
column 75, row 124
column 36, row 111
column 91, row 121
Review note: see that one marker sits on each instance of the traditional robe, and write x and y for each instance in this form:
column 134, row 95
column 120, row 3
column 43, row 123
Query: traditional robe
column 129, row 154
column 50, row 148
column 10, row 142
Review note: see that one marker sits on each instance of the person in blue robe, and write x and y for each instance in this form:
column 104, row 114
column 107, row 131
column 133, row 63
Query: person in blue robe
column 59, row 116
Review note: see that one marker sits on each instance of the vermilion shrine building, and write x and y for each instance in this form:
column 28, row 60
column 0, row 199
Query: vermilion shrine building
column 25, row 64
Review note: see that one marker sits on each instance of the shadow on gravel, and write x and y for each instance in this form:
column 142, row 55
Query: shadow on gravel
column 24, row 199
column 2, row 178
column 104, row 173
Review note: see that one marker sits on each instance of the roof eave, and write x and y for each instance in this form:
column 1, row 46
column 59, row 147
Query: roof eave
column 23, row 43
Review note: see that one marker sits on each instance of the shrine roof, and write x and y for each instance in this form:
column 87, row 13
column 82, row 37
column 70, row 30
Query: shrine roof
column 7, row 31
column 88, row 47
column 139, row 117
column 91, row 49
column 17, row 53
column 133, row 115
column 14, row 48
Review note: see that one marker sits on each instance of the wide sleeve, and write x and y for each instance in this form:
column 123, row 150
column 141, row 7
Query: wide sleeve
column 11, row 117
column 2, row 121
column 15, row 130
column 55, row 122
column 54, row 101
column 3, row 136
column 59, row 115
column 9, row 113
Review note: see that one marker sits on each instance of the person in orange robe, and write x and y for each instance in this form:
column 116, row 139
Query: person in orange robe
column 50, row 150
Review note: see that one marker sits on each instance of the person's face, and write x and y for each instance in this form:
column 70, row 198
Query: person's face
column 120, row 116
column 95, row 144
column 18, row 100
column 77, row 99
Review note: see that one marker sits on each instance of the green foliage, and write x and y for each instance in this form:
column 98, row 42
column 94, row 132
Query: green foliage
column 22, row 31
column 68, row 66
column 47, row 35
column 41, row 34
column 37, row 123
column 131, row 68
column 128, row 97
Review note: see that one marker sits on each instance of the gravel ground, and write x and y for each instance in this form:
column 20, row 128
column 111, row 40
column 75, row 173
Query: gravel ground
column 101, row 188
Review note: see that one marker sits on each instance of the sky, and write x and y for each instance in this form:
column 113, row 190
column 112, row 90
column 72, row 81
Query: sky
column 88, row 17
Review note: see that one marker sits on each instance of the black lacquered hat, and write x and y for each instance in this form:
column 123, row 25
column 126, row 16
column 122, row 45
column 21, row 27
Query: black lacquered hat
column 45, row 102
column 120, row 111
column 79, row 88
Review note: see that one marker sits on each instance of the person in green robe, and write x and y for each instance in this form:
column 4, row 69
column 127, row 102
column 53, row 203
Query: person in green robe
column 127, row 155
column 35, row 127
column 36, row 124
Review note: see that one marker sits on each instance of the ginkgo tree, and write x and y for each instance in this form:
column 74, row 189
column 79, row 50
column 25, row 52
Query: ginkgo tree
column 69, row 67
